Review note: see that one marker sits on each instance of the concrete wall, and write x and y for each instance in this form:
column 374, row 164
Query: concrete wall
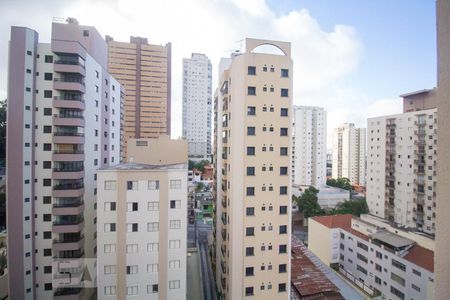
column 319, row 241
column 158, row 151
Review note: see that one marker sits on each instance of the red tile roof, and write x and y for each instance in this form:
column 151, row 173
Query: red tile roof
column 421, row 257
column 307, row 278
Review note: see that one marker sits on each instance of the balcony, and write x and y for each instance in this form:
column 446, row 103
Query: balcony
column 223, row 249
column 68, row 155
column 67, row 225
column 69, row 84
column 67, row 120
column 72, row 243
column 224, row 218
column 68, row 209
column 69, row 66
column 419, row 200
column 224, row 234
column 69, row 100
column 68, row 170
column 69, row 188
column 224, row 267
column 68, row 294
column 67, row 137
column 224, row 202
column 67, row 277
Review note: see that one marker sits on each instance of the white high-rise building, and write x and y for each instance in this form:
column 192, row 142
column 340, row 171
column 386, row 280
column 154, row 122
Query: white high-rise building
column 64, row 122
column 197, row 98
column 309, row 146
column 349, row 153
column 401, row 166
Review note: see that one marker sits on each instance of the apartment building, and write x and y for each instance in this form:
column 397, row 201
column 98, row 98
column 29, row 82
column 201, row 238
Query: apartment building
column 349, row 153
column 197, row 105
column 309, row 146
column 382, row 260
column 64, row 116
column 253, row 118
column 142, row 223
column 401, row 164
column 144, row 70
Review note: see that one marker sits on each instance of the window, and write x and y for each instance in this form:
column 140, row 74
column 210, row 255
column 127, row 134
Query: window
column 47, row 217
column 249, row 251
column 249, row 271
column 249, row 291
column 174, row 244
column 133, row 269
column 109, row 248
column 283, row 229
column 175, row 203
column 152, row 288
column 283, row 209
column 282, row 268
column 377, row 280
column 250, row 171
column 131, row 290
column 398, row 265
column 46, row 182
column 152, row 268
column 175, row 184
column 47, row 111
column 250, row 211
column 379, row 255
column 47, row 164
column 48, row 252
column 283, row 190
column 48, row 59
column 250, row 150
column 174, row 264
column 397, row 293
column 361, row 257
column 284, row 73
column 153, row 184
column 415, row 287
column 378, row 267
column 251, row 111
column 283, row 151
column 281, row 287
column 415, row 272
column 250, row 231
column 47, row 235
column 250, row 191
column 48, row 76
column 251, row 70
column 109, row 269
column 282, row 249
column 153, row 206
column 110, row 206
column 175, row 224
column 284, row 93
column 174, row 284
column 284, row 112
column 152, row 247
column 48, row 94
column 283, row 131
column 398, row 279
column 47, row 269
column 362, row 246
column 251, row 90
column 110, row 227
column 250, row 130
column 361, row 269
column 132, row 206
column 153, row 226
column 110, row 290
column 110, row 185
column 283, row 170
column 132, row 185
column 132, row 248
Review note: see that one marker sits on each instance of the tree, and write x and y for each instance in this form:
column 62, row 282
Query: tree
column 199, row 187
column 341, row 182
column 198, row 165
column 308, row 204
column 354, row 207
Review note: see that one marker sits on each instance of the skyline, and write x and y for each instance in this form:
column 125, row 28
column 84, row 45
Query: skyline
column 336, row 62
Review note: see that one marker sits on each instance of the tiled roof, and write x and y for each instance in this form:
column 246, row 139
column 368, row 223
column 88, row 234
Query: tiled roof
column 421, row 257
column 307, row 279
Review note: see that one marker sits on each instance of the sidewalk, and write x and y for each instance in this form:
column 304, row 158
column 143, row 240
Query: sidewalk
column 193, row 285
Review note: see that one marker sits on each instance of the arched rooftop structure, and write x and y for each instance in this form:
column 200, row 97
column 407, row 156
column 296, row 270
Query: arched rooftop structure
column 267, row 46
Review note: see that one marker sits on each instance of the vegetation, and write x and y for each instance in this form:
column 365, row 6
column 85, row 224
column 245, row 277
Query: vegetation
column 198, row 165
column 199, row 187
column 355, row 207
column 341, row 182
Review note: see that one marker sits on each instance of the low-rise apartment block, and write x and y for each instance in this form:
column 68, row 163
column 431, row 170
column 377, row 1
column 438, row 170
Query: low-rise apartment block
column 380, row 259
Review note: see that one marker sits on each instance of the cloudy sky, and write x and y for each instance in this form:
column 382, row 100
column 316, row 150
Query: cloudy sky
column 352, row 57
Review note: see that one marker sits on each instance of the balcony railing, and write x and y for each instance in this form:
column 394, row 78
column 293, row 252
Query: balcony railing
column 70, row 79
column 69, row 254
column 74, row 203
column 69, row 169
column 68, row 152
column 69, row 97
column 68, row 239
column 67, row 291
column 69, row 134
column 74, row 221
column 68, row 62
column 68, row 186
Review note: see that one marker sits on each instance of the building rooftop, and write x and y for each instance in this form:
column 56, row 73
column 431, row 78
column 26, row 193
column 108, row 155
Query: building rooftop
column 392, row 239
column 421, row 257
column 138, row 166
column 307, row 280
column 424, row 91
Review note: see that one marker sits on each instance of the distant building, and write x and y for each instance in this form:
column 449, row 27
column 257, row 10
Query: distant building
column 328, row 197
column 309, row 142
column 142, row 224
column 380, row 259
column 349, row 153
column 208, row 173
column 197, row 105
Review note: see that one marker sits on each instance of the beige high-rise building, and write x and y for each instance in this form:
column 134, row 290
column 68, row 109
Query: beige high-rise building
column 144, row 70
column 253, row 123
column 349, row 153
column 442, row 266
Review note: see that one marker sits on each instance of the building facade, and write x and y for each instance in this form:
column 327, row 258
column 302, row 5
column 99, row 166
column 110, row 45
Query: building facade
column 64, row 120
column 142, row 224
column 381, row 260
column 253, row 118
column 309, row 146
column 197, row 104
column 401, row 164
column 144, row 70
column 349, row 153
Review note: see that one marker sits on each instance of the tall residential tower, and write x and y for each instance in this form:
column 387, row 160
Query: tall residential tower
column 253, row 118
column 64, row 119
column 197, row 99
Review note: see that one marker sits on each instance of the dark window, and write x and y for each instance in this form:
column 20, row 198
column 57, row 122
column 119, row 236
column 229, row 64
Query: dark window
column 129, row 185
column 47, row 147
column 283, row 210
column 282, row 268
column 284, row 112
column 47, row 217
column 47, row 200
column 250, row 130
column 112, row 206
column 47, row 235
column 28, row 89
column 283, row 131
column 48, row 286
column 28, row 71
column 85, row 32
column 264, row 69
column 48, row 76
column 283, row 151
column 48, row 94
column 283, row 190
column 249, row 271
column 47, row 182
column 250, row 171
column 135, row 206
column 398, row 264
column 47, row 111
column 251, row 90
column 250, row 191
column 397, row 293
column 362, row 246
column 284, row 93
column 283, row 170
column 282, row 249
column 49, row 59
column 251, row 110
column 283, row 229
column 29, row 52
column 154, row 288
column 250, row 211
column 282, row 287
column 249, row 251
column 47, row 129
column 47, row 164
column 249, row 291
column 284, row 73
column 47, row 269
column 134, row 227
column 250, row 231
column 251, row 70
column 250, row 150
column 48, row 252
